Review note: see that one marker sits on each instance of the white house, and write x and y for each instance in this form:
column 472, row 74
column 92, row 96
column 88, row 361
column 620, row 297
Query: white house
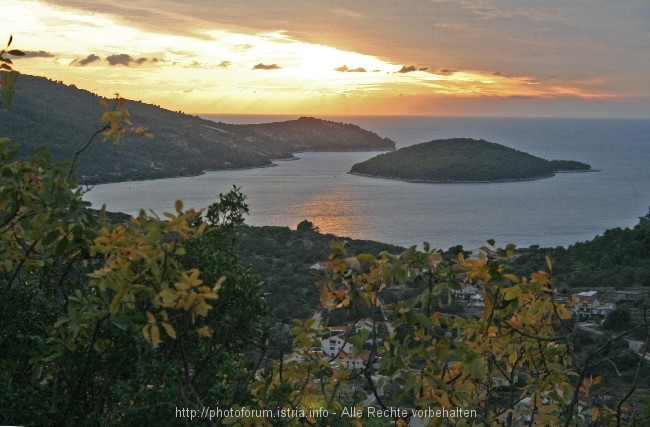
column 335, row 342
column 466, row 292
column 586, row 303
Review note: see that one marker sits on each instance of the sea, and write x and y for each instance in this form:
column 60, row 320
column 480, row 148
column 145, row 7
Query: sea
column 557, row 211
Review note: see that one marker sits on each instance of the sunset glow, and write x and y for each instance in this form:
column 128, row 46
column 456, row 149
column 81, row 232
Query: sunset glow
column 201, row 60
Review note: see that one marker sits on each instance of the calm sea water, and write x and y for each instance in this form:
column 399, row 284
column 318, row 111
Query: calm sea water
column 561, row 210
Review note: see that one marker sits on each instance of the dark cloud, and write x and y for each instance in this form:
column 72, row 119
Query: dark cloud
column 127, row 60
column 261, row 66
column 85, row 61
column 119, row 59
column 446, row 71
column 407, row 69
column 225, row 64
column 39, row 54
column 345, row 69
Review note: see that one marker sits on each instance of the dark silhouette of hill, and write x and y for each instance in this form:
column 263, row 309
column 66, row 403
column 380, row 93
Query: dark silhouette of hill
column 62, row 118
column 462, row 160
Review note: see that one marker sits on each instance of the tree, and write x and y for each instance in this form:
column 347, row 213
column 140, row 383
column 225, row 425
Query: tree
column 306, row 225
column 618, row 320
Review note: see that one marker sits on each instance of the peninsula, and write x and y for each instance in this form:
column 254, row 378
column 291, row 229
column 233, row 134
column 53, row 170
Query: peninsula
column 462, row 160
column 63, row 117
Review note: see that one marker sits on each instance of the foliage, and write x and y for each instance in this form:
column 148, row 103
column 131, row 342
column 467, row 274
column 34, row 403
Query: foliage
column 306, row 225
column 95, row 312
column 7, row 74
column 455, row 160
column 102, row 322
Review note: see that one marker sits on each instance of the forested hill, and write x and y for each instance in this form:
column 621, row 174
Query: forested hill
column 462, row 160
column 64, row 117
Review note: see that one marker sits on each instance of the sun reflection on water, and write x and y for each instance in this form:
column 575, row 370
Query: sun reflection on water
column 334, row 212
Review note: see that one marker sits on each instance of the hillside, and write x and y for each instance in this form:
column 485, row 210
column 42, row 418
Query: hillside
column 462, row 160
column 66, row 117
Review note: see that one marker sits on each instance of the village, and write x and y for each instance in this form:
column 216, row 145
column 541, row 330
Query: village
column 590, row 307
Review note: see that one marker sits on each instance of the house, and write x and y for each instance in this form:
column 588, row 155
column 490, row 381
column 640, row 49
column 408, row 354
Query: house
column 466, row 292
column 586, row 303
column 365, row 323
column 476, row 300
column 355, row 362
column 319, row 266
column 335, row 342
column 630, row 295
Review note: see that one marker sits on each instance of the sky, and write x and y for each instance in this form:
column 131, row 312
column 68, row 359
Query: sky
column 553, row 58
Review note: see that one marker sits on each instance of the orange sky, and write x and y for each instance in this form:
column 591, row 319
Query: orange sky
column 435, row 57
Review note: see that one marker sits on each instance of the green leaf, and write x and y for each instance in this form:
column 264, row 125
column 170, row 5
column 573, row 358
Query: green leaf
column 499, row 281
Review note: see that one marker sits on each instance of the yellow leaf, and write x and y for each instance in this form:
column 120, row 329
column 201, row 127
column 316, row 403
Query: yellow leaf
column 549, row 263
column 114, row 306
column 511, row 277
column 146, row 331
column 562, row 312
column 151, row 318
column 155, row 335
column 204, row 331
column 512, row 359
column 594, row 414
column 217, row 286
column 512, row 293
column 169, row 329
column 353, row 263
column 179, row 206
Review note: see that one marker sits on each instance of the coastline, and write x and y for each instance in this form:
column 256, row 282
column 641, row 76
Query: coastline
column 88, row 182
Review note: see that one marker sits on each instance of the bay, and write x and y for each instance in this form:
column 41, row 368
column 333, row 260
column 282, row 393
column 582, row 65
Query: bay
column 561, row 210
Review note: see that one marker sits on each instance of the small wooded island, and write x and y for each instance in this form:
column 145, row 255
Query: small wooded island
column 462, row 160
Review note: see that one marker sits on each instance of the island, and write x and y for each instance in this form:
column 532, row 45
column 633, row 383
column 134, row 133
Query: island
column 462, row 160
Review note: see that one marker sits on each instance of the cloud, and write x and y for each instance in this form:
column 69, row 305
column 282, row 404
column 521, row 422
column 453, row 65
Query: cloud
column 261, row 66
column 446, row 71
column 38, row 54
column 225, row 64
column 345, row 69
column 127, row 60
column 85, row 61
column 411, row 68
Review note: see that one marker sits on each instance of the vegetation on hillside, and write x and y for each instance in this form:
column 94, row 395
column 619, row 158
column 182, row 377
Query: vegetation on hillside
column 58, row 117
column 619, row 258
column 462, row 160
